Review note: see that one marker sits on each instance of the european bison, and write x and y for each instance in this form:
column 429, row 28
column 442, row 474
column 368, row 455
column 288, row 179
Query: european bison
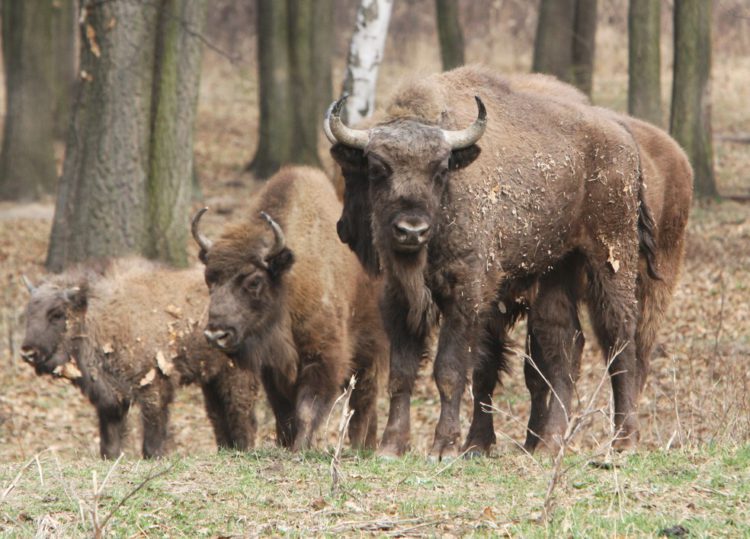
column 288, row 298
column 556, row 182
column 554, row 339
column 131, row 335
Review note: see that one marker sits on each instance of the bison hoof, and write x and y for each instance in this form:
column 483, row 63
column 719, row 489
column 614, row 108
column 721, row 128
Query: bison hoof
column 389, row 453
column 443, row 450
column 625, row 444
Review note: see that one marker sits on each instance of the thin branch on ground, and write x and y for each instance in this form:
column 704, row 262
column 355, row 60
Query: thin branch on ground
column 17, row 478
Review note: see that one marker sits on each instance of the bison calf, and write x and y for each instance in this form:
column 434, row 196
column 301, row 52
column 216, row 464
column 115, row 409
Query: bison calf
column 131, row 335
column 289, row 298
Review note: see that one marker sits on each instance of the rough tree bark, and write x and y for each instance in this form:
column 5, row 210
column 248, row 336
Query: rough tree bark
column 64, row 44
column 365, row 55
column 121, row 136
column 175, row 98
column 584, row 44
column 553, row 44
column 27, row 162
column 644, row 60
column 275, row 122
column 690, row 121
column 449, row 34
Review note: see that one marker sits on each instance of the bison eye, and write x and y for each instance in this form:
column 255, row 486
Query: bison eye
column 440, row 176
column 56, row 315
column 252, row 283
column 377, row 169
column 211, row 277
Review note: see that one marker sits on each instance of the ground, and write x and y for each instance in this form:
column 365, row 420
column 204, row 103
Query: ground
column 692, row 469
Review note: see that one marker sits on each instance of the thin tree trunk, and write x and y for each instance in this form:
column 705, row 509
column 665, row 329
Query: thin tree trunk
column 449, row 33
column 690, row 122
column 644, row 60
column 584, row 44
column 323, row 37
column 365, row 55
column 275, row 123
column 27, row 163
column 64, row 40
column 175, row 97
column 553, row 44
column 304, row 87
column 101, row 206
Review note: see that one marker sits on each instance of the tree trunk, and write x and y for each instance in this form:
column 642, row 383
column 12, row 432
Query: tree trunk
column 175, row 97
column 27, row 163
column 64, row 40
column 129, row 149
column 306, row 116
column 584, row 44
column 365, row 55
column 644, row 60
column 553, row 44
column 275, row 123
column 323, row 45
column 449, row 33
column 690, row 122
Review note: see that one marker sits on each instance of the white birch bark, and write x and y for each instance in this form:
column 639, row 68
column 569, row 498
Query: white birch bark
column 365, row 55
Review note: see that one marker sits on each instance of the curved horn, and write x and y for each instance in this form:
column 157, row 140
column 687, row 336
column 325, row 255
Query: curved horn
column 202, row 241
column 466, row 137
column 327, row 125
column 29, row 286
column 278, row 234
column 356, row 138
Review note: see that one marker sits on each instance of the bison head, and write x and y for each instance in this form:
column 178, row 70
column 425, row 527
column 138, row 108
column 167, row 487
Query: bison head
column 396, row 173
column 49, row 313
column 244, row 282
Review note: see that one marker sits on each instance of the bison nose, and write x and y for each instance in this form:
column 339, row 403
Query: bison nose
column 412, row 231
column 29, row 354
column 218, row 336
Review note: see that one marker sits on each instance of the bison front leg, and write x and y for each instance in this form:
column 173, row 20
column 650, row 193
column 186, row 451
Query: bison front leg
column 155, row 415
column 316, row 390
column 112, row 429
column 364, row 423
column 407, row 348
column 279, row 396
column 451, row 367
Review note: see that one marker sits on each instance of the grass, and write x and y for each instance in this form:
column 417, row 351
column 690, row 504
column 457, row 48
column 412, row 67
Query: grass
column 272, row 492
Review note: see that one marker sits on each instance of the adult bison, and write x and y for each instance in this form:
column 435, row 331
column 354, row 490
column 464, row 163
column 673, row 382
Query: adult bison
column 465, row 232
column 289, row 299
column 555, row 341
column 131, row 335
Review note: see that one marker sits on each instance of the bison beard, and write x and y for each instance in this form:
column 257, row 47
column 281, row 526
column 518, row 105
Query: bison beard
column 556, row 181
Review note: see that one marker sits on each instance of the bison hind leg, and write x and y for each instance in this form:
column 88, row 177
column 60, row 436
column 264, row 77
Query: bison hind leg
column 155, row 403
column 364, row 423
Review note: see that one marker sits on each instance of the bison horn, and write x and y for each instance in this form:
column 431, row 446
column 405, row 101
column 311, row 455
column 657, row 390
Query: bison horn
column 356, row 138
column 203, row 242
column 30, row 287
column 327, row 124
column 466, row 137
column 279, row 240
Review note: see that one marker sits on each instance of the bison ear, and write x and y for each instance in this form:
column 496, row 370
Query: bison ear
column 464, row 157
column 348, row 158
column 280, row 263
column 77, row 296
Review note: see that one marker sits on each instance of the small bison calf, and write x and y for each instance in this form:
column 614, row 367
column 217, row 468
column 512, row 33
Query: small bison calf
column 132, row 335
column 289, row 298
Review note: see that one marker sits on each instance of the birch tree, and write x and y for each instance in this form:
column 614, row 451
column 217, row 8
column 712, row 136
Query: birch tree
column 365, row 54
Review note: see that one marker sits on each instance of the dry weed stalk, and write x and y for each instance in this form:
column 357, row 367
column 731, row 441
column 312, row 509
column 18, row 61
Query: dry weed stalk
column 574, row 425
column 14, row 482
column 346, row 417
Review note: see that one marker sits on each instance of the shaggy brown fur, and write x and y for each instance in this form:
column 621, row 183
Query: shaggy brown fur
column 305, row 315
column 554, row 339
column 133, row 335
column 554, row 180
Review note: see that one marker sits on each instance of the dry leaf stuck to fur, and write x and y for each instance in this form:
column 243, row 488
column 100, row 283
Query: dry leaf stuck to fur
column 68, row 370
column 165, row 365
column 146, row 380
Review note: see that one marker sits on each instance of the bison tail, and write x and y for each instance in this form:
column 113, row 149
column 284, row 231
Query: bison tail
column 646, row 233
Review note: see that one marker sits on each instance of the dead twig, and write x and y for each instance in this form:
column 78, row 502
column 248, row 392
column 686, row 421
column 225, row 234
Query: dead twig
column 346, row 417
column 17, row 478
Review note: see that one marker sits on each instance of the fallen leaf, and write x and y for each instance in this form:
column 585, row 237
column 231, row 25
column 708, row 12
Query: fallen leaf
column 318, row 504
column 488, row 513
column 173, row 311
column 108, row 348
column 165, row 365
column 68, row 370
column 146, row 380
column 93, row 45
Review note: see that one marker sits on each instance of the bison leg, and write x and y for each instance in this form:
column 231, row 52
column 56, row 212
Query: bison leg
column 614, row 319
column 492, row 359
column 451, row 366
column 364, row 423
column 406, row 352
column 282, row 406
column 554, row 346
column 112, row 429
column 155, row 415
column 230, row 405
column 316, row 391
